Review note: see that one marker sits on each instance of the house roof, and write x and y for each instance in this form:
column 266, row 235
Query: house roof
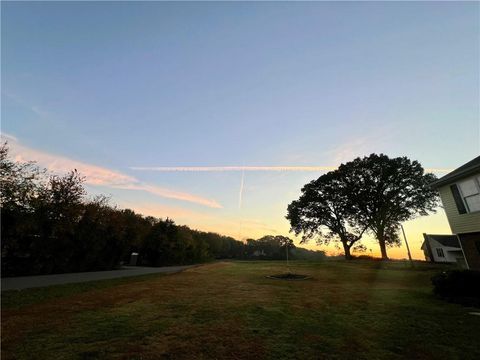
column 463, row 171
column 445, row 240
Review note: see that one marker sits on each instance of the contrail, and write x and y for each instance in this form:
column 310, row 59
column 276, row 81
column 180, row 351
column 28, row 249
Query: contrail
column 240, row 193
column 251, row 168
column 232, row 168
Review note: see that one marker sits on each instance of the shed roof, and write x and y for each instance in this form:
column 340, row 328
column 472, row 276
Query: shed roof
column 446, row 240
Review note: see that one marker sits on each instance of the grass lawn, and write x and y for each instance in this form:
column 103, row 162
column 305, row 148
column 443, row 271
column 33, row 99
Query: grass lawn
column 229, row 310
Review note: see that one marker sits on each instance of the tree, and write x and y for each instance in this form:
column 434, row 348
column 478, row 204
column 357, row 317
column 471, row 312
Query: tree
column 158, row 246
column 20, row 183
column 323, row 211
column 48, row 226
column 287, row 244
column 103, row 236
column 59, row 207
column 136, row 228
column 383, row 192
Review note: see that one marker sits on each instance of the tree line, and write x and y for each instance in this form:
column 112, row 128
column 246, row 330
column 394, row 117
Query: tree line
column 373, row 194
column 49, row 225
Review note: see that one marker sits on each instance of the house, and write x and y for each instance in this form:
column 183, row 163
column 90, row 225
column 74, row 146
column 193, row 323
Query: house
column 460, row 194
column 443, row 249
column 258, row 253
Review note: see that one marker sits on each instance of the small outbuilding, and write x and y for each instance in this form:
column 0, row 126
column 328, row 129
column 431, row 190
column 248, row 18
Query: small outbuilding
column 443, row 249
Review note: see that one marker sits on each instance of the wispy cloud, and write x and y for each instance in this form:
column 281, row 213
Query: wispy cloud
column 162, row 211
column 33, row 108
column 172, row 194
column 8, row 137
column 252, row 168
column 97, row 175
column 353, row 148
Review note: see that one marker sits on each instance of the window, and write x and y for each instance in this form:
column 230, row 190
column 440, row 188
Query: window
column 440, row 252
column 470, row 192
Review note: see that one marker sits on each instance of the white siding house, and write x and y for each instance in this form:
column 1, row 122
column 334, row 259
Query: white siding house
column 443, row 249
column 460, row 194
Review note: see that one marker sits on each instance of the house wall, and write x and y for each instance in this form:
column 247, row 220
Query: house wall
column 459, row 223
column 471, row 247
column 427, row 255
column 450, row 253
column 427, row 251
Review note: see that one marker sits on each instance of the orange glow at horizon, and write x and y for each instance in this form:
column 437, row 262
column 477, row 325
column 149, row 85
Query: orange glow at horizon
column 250, row 228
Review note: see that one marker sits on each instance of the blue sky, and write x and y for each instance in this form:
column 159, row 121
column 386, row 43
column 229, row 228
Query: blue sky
column 122, row 85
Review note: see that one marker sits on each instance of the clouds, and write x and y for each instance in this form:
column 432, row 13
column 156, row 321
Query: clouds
column 37, row 110
column 97, row 175
column 8, row 137
column 353, row 148
column 172, row 194
column 161, row 210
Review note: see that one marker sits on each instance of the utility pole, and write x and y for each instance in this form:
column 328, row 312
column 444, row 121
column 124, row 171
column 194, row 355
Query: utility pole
column 406, row 243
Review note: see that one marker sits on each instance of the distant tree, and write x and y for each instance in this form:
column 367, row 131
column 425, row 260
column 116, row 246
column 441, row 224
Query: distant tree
column 20, row 183
column 323, row 211
column 287, row 244
column 103, row 236
column 136, row 228
column 284, row 241
column 278, row 245
column 383, row 192
column 157, row 246
column 196, row 248
column 219, row 246
column 58, row 209
column 269, row 247
column 304, row 254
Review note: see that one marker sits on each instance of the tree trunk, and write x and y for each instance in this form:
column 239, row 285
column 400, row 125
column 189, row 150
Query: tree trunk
column 346, row 249
column 383, row 248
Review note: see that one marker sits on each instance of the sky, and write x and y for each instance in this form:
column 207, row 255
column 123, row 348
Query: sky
column 139, row 96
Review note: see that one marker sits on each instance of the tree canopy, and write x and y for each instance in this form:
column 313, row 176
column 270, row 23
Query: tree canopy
column 384, row 192
column 324, row 212
column 375, row 193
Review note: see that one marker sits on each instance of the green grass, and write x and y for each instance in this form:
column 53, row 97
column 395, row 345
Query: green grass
column 347, row 310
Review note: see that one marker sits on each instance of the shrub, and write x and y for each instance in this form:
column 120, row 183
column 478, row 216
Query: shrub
column 459, row 286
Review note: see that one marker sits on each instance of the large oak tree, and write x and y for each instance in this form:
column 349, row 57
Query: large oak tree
column 384, row 192
column 324, row 212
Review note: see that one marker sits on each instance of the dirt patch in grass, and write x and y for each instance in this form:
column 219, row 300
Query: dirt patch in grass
column 288, row 276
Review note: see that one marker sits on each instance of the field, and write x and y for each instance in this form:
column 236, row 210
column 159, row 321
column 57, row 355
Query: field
column 230, row 310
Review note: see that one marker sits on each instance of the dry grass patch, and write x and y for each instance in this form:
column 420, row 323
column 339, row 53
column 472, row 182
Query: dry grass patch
column 230, row 310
